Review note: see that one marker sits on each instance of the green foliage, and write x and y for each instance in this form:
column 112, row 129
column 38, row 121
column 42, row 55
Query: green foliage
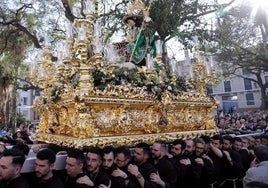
column 20, row 119
column 154, row 84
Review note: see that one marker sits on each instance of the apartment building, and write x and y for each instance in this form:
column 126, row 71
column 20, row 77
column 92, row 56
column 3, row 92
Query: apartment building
column 234, row 93
column 25, row 105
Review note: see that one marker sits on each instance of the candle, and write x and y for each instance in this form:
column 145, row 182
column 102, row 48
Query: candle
column 97, row 29
column 195, row 38
column 97, row 43
column 191, row 73
column 211, row 62
column 207, row 64
column 82, row 33
column 158, row 47
column 69, row 30
column 32, row 67
column 89, row 7
column 149, row 62
column 187, row 57
column 66, row 51
column 46, row 40
column 173, row 65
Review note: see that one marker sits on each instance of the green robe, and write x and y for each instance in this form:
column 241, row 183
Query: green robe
column 139, row 48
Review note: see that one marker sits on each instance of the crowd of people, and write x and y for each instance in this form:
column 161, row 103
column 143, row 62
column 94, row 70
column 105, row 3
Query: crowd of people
column 217, row 161
column 23, row 134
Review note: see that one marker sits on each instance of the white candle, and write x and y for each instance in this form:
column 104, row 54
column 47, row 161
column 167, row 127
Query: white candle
column 211, row 61
column 66, row 50
column 46, row 40
column 207, row 64
column 97, row 43
column 158, row 47
column 97, row 29
column 149, row 61
column 195, row 38
column 191, row 73
column 82, row 33
column 69, row 30
column 89, row 7
column 32, row 67
column 173, row 65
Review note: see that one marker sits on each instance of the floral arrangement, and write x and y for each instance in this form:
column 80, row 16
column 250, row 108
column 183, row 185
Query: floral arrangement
column 155, row 83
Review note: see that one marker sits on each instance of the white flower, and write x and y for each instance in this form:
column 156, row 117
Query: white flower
column 147, row 19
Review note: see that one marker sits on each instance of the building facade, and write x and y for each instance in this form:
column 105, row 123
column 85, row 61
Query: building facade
column 25, row 104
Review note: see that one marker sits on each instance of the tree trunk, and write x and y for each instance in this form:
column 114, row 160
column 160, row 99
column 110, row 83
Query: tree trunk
column 264, row 101
column 4, row 102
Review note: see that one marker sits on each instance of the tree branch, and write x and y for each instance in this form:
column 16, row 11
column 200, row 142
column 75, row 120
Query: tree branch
column 30, row 35
column 67, row 10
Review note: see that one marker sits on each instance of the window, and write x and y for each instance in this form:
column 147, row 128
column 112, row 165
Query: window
column 250, row 99
column 245, row 72
column 37, row 92
column 247, row 83
column 25, row 101
column 36, row 115
column 266, row 79
column 209, row 89
column 227, row 86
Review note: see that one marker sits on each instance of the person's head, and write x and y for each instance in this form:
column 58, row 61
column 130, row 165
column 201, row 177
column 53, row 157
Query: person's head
column 227, row 142
column 75, row 162
column 189, row 147
column 217, row 141
column 261, row 152
column 207, row 141
column 141, row 152
column 133, row 20
column 44, row 164
column 21, row 127
column 11, row 163
column 255, row 184
column 108, row 157
column 245, row 143
column 237, row 146
column 2, row 148
column 199, row 146
column 221, row 123
column 32, row 128
column 177, row 147
column 22, row 147
column 264, row 139
column 123, row 156
column 158, row 150
column 251, row 141
column 94, row 159
column 257, row 140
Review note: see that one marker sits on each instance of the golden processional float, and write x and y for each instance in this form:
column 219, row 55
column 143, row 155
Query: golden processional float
column 89, row 99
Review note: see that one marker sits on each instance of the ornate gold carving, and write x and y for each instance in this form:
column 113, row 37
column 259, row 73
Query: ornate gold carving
column 76, row 113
